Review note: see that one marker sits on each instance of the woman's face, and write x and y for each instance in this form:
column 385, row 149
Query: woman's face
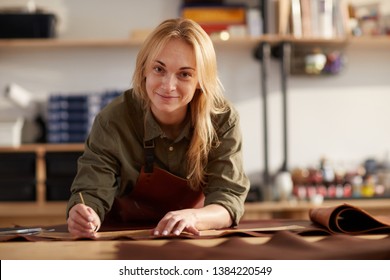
column 171, row 81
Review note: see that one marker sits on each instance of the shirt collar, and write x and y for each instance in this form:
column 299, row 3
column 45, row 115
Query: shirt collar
column 153, row 130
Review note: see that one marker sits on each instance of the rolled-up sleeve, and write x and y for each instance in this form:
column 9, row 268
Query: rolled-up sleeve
column 227, row 183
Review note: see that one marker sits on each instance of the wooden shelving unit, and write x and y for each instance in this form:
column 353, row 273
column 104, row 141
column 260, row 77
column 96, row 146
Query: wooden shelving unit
column 67, row 43
column 45, row 213
column 272, row 39
column 40, row 211
column 103, row 43
column 40, row 151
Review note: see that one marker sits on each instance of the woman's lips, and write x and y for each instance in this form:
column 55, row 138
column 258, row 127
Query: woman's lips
column 166, row 96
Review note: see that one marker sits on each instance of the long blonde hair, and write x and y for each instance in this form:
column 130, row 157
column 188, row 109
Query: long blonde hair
column 207, row 102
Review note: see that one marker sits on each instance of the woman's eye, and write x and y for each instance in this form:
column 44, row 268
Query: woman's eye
column 158, row 69
column 185, row 75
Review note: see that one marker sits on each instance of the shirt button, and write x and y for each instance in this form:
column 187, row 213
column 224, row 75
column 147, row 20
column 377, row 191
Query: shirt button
column 170, row 149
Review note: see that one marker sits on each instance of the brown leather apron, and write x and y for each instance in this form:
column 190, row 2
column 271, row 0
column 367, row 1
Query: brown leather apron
column 156, row 192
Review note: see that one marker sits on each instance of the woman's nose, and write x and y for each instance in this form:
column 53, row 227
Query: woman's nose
column 169, row 82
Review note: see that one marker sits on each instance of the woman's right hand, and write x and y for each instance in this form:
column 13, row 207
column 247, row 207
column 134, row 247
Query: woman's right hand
column 83, row 221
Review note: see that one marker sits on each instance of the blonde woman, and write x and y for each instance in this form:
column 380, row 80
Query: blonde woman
column 166, row 153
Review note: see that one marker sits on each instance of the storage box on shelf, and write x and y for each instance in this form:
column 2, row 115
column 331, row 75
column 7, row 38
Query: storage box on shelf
column 35, row 182
column 17, row 176
column 61, row 168
column 27, row 25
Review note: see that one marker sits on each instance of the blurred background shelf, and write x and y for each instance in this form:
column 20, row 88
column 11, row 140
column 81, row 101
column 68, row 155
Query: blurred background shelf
column 300, row 209
column 44, row 163
column 271, row 38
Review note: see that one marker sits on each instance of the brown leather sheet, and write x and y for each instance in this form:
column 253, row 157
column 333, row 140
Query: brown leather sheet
column 283, row 245
column 349, row 219
column 255, row 228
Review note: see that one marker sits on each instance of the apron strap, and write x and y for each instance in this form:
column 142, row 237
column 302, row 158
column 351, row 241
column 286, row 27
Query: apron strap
column 149, row 156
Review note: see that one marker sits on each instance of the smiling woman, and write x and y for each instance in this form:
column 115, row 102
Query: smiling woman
column 167, row 152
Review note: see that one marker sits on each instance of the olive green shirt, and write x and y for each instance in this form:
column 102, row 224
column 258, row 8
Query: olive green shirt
column 114, row 155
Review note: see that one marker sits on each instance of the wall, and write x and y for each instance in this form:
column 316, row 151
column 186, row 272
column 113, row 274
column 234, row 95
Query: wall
column 344, row 117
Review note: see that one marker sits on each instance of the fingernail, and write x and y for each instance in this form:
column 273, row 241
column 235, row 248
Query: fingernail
column 177, row 232
column 165, row 232
column 156, row 232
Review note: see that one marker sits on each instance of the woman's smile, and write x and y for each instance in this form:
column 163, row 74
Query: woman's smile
column 166, row 96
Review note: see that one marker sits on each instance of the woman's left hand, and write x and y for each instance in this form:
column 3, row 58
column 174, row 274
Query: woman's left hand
column 212, row 216
column 175, row 222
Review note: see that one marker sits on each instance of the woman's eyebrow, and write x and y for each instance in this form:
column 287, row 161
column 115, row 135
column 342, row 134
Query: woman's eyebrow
column 160, row 62
column 181, row 68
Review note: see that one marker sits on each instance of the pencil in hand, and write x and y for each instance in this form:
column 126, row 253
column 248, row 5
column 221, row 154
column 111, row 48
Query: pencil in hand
column 82, row 198
column 83, row 202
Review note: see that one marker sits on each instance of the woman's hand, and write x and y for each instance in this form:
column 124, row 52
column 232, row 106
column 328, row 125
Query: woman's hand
column 83, row 221
column 193, row 220
column 177, row 221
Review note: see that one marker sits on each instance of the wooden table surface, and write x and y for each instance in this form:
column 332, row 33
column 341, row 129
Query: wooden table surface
column 107, row 250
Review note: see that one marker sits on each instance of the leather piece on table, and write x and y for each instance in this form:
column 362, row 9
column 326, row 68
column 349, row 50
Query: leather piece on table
column 283, row 245
column 255, row 228
column 349, row 219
